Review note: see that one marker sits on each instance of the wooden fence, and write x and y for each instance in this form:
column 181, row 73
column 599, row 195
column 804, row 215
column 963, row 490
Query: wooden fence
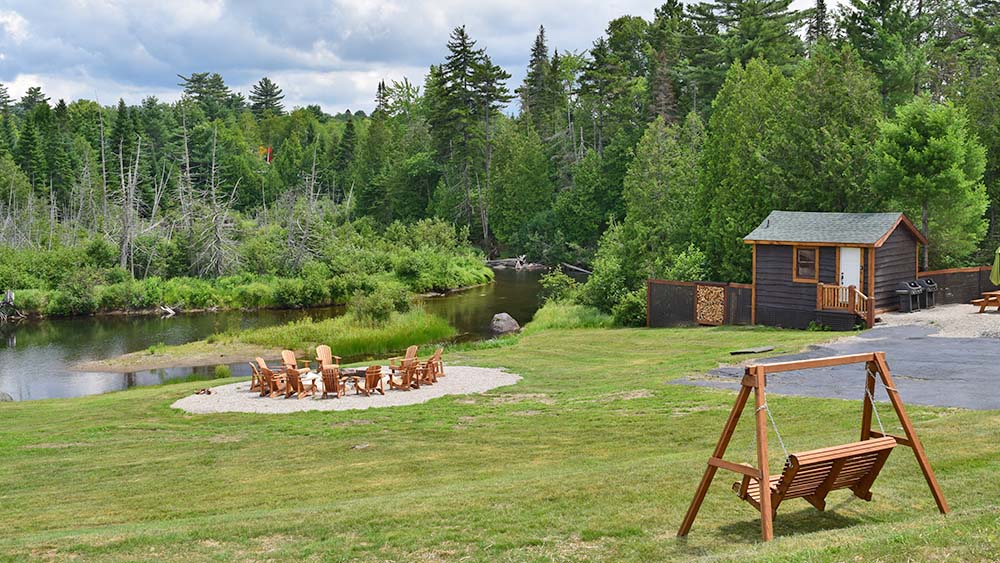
column 960, row 285
column 677, row 303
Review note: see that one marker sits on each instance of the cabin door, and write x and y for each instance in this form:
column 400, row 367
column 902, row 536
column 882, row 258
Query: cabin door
column 850, row 267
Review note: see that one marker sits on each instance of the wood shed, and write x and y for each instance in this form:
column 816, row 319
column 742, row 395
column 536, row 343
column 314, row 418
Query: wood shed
column 836, row 269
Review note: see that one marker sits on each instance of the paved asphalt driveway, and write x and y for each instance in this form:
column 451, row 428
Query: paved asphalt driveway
column 928, row 370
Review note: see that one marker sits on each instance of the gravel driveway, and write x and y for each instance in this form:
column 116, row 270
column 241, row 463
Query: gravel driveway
column 931, row 361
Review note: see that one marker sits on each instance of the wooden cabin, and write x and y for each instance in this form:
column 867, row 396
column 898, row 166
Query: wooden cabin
column 836, row 269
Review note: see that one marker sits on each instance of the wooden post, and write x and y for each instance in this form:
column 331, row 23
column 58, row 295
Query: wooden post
column 720, row 450
column 911, row 435
column 764, row 483
column 851, row 297
column 819, row 296
column 866, row 408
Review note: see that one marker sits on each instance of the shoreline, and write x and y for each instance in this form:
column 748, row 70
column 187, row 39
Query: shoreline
column 193, row 354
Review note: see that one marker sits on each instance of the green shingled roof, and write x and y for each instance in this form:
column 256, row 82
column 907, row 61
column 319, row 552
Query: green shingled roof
column 839, row 228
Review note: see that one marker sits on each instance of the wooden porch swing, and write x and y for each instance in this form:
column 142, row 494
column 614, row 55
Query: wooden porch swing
column 813, row 474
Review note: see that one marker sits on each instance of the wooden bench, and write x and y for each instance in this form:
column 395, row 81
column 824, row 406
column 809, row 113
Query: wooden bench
column 813, row 474
column 989, row 299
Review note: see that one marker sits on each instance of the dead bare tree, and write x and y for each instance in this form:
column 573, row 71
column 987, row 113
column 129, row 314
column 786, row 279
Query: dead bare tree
column 216, row 249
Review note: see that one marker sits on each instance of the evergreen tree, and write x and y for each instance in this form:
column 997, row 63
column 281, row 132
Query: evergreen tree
column 928, row 165
column 32, row 98
column 211, row 93
column 266, row 96
column 381, row 99
column 763, row 29
column 533, row 95
column 30, row 154
column 887, row 36
column 521, row 186
column 832, row 125
column 345, row 149
column 819, row 23
column 662, row 101
column 8, row 134
column 5, row 100
column 743, row 173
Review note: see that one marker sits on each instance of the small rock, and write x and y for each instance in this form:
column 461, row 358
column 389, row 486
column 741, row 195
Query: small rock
column 5, row 398
column 504, row 324
column 359, row 446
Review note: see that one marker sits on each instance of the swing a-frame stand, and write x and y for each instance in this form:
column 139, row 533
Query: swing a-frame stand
column 813, row 474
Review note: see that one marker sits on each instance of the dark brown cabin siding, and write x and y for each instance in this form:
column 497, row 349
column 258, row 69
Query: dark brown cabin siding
column 780, row 301
column 895, row 261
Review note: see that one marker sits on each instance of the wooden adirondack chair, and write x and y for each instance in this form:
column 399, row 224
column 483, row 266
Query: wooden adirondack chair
column 256, row 381
column 372, row 382
column 409, row 378
column 296, row 386
column 289, row 361
column 273, row 383
column 433, row 368
column 329, row 368
column 398, row 364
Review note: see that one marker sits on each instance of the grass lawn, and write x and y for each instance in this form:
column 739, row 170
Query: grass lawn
column 594, row 456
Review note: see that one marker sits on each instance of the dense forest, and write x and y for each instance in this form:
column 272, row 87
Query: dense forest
column 650, row 154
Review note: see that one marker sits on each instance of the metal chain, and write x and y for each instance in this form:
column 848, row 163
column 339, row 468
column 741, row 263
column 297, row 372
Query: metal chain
column 775, row 426
column 871, row 398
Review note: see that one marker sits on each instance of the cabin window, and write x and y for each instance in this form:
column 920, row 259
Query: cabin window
column 805, row 264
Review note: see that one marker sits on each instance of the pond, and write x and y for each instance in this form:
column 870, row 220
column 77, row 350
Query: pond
column 36, row 356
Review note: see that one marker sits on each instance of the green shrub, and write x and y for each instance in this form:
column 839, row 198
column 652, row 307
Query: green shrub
column 115, row 297
column 222, row 371
column 32, row 301
column 147, row 293
column 562, row 314
column 252, row 296
column 75, row 296
column 631, row 310
column 288, row 293
column 352, row 338
column 557, row 286
column 101, row 253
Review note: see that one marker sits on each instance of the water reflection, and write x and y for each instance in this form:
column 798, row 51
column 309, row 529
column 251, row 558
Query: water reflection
column 34, row 364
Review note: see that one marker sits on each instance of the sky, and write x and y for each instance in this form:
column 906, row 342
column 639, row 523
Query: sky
column 327, row 52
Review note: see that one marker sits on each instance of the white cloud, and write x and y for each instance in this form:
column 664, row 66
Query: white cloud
column 14, row 26
column 326, row 52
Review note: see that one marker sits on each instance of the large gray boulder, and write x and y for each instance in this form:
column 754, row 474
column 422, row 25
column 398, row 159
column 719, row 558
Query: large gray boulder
column 5, row 398
column 504, row 324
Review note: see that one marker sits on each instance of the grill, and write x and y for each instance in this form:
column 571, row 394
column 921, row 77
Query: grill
column 909, row 296
column 927, row 298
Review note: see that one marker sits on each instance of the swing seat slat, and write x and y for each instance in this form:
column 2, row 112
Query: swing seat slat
column 814, row 473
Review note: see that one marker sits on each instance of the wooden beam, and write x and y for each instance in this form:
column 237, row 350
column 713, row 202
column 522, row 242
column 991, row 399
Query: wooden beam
column 899, row 439
column 741, row 468
column 764, row 483
column 816, row 363
column 720, row 450
column 911, row 434
column 809, row 243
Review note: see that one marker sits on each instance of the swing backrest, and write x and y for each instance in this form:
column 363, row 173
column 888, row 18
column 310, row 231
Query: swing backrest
column 813, row 474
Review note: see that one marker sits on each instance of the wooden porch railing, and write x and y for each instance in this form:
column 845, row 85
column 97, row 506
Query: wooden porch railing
column 845, row 298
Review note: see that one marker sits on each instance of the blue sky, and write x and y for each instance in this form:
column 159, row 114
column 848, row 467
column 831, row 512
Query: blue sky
column 326, row 52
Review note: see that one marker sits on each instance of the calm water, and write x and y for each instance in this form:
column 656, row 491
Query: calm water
column 35, row 356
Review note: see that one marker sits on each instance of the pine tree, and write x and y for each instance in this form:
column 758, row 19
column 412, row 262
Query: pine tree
column 346, row 148
column 211, row 93
column 381, row 100
column 8, row 134
column 30, row 154
column 266, row 96
column 535, row 103
column 32, row 98
column 5, row 100
column 819, row 23
column 887, row 35
column 662, row 101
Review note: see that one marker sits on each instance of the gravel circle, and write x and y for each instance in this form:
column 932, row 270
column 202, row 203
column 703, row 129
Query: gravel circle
column 236, row 397
column 959, row 320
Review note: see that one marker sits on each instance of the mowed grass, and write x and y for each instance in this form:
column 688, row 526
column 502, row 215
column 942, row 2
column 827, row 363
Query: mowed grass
column 594, row 456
